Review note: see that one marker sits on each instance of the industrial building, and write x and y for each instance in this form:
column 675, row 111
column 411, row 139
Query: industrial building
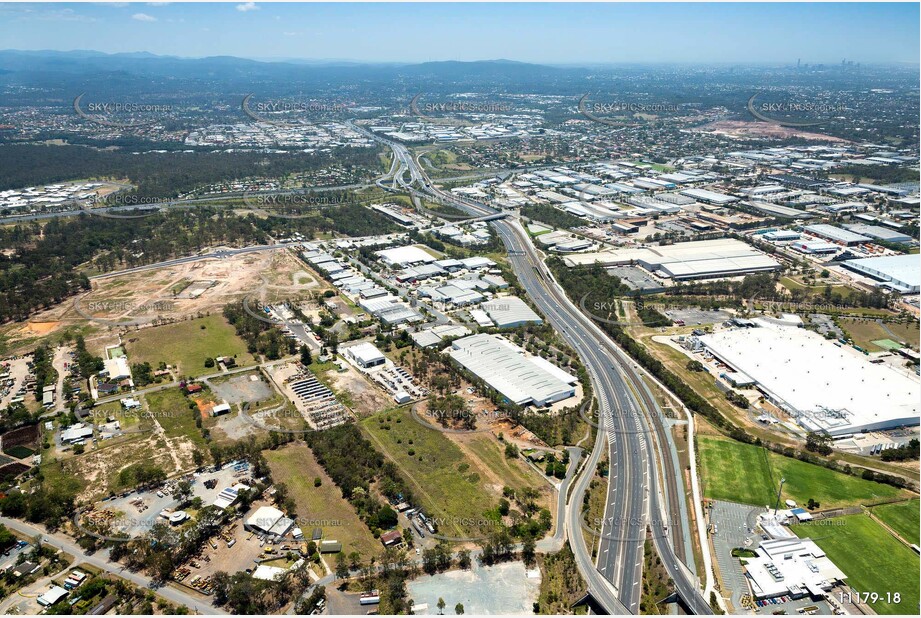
column 836, row 234
column 824, row 387
column 269, row 520
column 523, row 380
column 879, row 233
column 365, row 354
column 900, row 273
column 709, row 197
column 510, row 311
column 405, row 256
column 705, row 259
column 791, row 567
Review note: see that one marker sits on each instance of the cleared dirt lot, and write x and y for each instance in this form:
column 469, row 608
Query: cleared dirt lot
column 173, row 293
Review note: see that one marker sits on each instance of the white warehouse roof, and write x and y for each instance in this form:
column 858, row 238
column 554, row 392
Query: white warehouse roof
column 510, row 311
column 828, row 388
column 402, row 256
column 504, row 367
column 902, row 271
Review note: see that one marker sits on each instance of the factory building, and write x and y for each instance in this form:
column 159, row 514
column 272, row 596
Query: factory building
column 791, row 567
column 836, row 234
column 896, row 272
column 826, row 388
column 705, row 259
column 510, row 311
column 523, row 380
column 709, row 197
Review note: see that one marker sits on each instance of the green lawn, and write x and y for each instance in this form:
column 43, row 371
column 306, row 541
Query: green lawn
column 170, row 408
column 749, row 474
column 440, row 474
column 188, row 344
column 873, row 559
column 323, row 506
column 516, row 473
column 903, row 517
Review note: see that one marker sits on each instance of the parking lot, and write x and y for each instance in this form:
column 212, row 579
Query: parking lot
column 732, row 523
column 697, row 317
column 506, row 588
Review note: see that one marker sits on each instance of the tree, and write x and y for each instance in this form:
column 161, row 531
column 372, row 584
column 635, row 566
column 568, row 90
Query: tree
column 306, row 357
column 463, row 559
column 459, row 609
column 209, row 362
column 183, row 491
column 342, row 567
column 441, row 606
column 528, row 551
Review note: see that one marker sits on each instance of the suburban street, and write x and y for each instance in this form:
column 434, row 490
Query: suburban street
column 100, row 560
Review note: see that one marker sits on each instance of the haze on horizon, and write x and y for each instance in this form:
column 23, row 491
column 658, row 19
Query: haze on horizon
column 584, row 34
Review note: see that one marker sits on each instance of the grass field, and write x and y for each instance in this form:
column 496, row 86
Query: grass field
column 749, row 474
column 514, row 472
column 865, row 332
column 323, row 506
column 188, row 344
column 437, row 470
column 903, row 517
column 872, row 559
column 170, row 408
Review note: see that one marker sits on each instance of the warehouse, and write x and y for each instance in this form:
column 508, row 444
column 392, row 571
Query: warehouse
column 504, row 367
column 709, row 197
column 775, row 210
column 879, row 233
column 896, row 272
column 405, row 256
column 836, row 234
column 815, row 247
column 510, row 311
column 826, row 388
column 704, row 259
column 366, row 355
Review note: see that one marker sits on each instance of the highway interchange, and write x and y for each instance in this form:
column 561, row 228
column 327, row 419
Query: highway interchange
column 636, row 497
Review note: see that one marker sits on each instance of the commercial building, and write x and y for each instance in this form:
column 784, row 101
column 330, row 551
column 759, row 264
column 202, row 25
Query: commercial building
column 824, row 387
column 503, row 366
column 791, row 567
column 900, row 273
column 510, row 311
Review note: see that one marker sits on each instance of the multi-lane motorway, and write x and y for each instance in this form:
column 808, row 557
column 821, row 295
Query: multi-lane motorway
column 636, row 499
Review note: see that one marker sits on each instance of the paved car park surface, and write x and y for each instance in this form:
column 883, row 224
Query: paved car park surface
column 732, row 523
column 506, row 588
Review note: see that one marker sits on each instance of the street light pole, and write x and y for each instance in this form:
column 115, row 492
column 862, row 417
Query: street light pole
column 779, row 490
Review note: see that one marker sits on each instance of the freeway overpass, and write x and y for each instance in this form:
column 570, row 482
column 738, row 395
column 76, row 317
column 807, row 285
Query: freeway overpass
column 634, row 491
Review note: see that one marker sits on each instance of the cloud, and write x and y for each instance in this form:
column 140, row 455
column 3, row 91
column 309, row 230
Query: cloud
column 143, row 17
column 247, row 6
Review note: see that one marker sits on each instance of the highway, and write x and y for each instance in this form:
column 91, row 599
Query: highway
column 635, row 499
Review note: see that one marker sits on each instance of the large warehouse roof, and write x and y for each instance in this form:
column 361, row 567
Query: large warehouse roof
column 902, row 271
column 724, row 257
column 510, row 311
column 830, row 388
column 837, row 234
column 504, row 367
column 403, row 256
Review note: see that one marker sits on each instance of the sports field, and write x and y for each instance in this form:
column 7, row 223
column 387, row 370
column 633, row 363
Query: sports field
column 873, row 560
column 188, row 344
column 903, row 517
column 749, row 474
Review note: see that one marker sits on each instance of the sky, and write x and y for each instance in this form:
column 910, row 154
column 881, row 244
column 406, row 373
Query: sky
column 548, row 33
